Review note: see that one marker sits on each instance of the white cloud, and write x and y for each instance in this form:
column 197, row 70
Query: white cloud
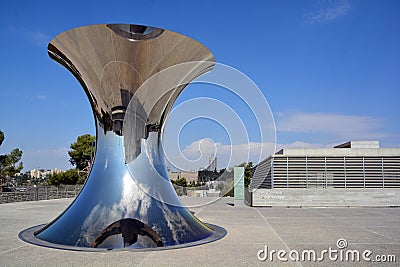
column 300, row 144
column 200, row 148
column 197, row 154
column 53, row 152
column 35, row 97
column 230, row 155
column 35, row 37
column 339, row 125
column 328, row 10
column 46, row 159
column 38, row 37
column 331, row 127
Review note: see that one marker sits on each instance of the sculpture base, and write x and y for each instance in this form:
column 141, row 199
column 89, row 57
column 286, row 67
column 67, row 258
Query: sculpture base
column 123, row 205
column 28, row 236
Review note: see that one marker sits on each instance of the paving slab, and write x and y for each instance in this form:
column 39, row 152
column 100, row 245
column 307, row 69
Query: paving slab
column 250, row 230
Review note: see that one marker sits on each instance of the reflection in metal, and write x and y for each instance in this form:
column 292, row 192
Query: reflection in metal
column 129, row 229
column 128, row 191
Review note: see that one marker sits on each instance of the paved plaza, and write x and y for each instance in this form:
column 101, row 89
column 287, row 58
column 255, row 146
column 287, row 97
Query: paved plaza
column 249, row 231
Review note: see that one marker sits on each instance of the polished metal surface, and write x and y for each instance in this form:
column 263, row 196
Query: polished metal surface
column 132, row 76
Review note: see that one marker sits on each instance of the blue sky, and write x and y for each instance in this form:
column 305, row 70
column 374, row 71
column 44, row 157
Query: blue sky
column 330, row 70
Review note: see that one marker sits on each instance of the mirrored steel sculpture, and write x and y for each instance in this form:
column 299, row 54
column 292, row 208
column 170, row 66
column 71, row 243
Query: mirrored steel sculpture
column 132, row 76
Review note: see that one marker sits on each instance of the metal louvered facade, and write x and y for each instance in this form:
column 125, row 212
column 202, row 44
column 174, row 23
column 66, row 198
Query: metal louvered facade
column 329, row 168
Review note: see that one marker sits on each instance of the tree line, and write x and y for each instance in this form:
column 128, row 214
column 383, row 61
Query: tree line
column 10, row 163
column 81, row 156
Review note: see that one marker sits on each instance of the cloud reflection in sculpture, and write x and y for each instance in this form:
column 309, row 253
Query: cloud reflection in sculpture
column 128, row 188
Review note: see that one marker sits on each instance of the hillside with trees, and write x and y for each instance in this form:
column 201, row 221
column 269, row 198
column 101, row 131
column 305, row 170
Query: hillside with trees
column 10, row 164
column 81, row 156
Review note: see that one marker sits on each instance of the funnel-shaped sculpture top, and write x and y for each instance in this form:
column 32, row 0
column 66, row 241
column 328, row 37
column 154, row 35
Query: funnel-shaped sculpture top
column 113, row 61
column 132, row 76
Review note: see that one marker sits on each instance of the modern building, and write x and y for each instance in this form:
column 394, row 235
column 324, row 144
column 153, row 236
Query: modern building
column 355, row 164
column 298, row 173
column 42, row 173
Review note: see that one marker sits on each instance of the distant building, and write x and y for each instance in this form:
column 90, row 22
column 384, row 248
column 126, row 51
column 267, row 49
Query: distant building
column 190, row 176
column 35, row 173
column 212, row 163
column 42, row 173
column 355, row 164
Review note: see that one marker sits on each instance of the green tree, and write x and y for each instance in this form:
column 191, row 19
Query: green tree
column 248, row 174
column 81, row 151
column 69, row 177
column 9, row 162
column 55, row 178
column 1, row 137
column 180, row 182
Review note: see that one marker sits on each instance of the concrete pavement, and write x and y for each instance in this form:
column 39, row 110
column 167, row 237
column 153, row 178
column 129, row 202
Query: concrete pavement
column 249, row 231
